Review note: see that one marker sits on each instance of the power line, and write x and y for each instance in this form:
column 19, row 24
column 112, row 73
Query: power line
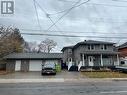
column 100, row 32
column 40, row 34
column 68, row 12
column 97, row 4
column 37, row 14
column 64, row 14
column 47, row 15
column 119, row 0
column 67, row 1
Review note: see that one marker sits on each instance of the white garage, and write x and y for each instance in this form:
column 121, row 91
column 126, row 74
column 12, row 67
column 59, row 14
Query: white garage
column 35, row 65
column 18, row 65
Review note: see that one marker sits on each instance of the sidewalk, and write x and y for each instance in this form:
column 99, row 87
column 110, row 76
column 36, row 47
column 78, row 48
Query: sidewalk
column 64, row 76
column 59, row 80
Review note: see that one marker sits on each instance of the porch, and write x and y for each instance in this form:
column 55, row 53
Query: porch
column 98, row 61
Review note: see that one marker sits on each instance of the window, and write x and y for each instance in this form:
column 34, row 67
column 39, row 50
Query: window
column 103, row 47
column 88, row 47
column 91, row 47
column 70, row 51
column 70, row 59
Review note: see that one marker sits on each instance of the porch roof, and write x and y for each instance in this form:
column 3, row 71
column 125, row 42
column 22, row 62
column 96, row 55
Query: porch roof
column 101, row 52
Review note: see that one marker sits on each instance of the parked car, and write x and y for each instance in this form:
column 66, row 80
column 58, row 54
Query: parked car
column 48, row 68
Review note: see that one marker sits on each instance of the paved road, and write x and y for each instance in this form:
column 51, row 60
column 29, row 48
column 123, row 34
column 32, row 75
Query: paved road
column 86, row 88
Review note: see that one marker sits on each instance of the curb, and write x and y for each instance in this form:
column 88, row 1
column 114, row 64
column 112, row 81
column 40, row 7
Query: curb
column 60, row 80
column 119, row 79
column 30, row 80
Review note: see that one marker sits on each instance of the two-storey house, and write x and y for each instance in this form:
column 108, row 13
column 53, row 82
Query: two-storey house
column 90, row 54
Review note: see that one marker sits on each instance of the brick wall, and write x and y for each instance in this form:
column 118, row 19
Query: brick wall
column 123, row 52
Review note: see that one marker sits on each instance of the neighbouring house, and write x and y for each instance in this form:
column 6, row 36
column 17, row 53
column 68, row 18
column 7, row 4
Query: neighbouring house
column 90, row 54
column 30, row 61
column 123, row 53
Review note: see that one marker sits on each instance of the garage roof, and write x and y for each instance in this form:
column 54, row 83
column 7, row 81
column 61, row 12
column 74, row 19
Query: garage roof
column 34, row 56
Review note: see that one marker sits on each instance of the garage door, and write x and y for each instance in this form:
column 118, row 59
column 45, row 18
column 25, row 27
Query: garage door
column 35, row 65
column 18, row 65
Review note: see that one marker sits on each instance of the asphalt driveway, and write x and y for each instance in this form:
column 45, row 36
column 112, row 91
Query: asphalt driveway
column 37, row 75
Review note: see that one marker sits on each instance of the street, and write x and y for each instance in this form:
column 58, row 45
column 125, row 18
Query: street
column 67, row 88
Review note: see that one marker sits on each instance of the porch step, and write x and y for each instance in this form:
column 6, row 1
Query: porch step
column 73, row 68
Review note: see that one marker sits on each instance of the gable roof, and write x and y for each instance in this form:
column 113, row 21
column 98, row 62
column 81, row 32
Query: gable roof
column 124, row 45
column 34, row 56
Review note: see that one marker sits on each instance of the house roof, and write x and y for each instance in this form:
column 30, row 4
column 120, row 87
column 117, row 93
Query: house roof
column 67, row 47
column 94, row 42
column 87, row 42
column 34, row 56
column 124, row 45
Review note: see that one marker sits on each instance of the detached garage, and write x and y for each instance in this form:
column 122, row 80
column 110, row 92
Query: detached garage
column 31, row 61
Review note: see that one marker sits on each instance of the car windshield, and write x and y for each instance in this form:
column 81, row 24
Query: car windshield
column 49, row 65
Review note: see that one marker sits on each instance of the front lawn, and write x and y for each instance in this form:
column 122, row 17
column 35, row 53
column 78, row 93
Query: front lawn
column 104, row 74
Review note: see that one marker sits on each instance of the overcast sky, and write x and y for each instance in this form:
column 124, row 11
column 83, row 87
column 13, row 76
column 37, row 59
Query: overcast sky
column 94, row 18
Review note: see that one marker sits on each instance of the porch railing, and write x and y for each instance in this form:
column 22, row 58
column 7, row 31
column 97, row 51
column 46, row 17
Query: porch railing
column 69, row 65
column 80, row 65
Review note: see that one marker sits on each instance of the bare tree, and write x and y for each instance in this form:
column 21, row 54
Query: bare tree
column 30, row 47
column 10, row 40
column 47, row 45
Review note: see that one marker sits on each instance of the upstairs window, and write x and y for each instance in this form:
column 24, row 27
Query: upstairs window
column 88, row 47
column 70, row 51
column 104, row 47
column 91, row 47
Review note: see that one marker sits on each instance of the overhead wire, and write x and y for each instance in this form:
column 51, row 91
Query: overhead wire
column 68, row 12
column 39, row 34
column 37, row 15
column 47, row 15
column 97, row 4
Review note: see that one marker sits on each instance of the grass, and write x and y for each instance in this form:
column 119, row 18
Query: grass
column 104, row 74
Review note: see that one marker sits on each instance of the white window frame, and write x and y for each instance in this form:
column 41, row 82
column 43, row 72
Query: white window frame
column 91, row 47
column 69, row 59
column 103, row 47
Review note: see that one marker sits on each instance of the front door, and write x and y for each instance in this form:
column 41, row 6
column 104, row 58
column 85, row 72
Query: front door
column 90, row 60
